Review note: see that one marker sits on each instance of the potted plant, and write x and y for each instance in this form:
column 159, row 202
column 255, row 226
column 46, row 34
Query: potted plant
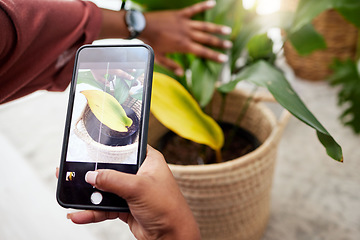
column 229, row 198
column 346, row 75
column 324, row 44
column 320, row 32
column 109, row 122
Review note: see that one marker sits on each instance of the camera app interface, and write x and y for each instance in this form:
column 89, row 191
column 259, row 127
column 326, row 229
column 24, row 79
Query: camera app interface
column 105, row 123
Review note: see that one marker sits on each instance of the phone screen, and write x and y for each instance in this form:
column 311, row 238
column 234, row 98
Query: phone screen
column 107, row 119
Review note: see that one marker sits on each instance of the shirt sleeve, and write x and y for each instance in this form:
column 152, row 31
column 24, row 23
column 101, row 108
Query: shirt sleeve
column 38, row 41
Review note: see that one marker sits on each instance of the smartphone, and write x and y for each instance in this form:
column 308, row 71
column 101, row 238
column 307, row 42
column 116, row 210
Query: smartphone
column 107, row 121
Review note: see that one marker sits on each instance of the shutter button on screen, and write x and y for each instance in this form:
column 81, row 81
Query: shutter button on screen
column 96, row 198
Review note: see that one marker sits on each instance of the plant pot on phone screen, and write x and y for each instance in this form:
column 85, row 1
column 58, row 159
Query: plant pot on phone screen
column 107, row 145
column 101, row 133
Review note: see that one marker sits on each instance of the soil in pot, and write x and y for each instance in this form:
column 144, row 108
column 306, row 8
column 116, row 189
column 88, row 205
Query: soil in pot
column 103, row 134
column 180, row 151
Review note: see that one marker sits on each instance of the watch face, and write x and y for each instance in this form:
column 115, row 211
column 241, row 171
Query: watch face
column 136, row 20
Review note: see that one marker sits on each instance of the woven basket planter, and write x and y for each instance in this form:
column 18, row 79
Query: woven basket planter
column 341, row 39
column 103, row 153
column 231, row 200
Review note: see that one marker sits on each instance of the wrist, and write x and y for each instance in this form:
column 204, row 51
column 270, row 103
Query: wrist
column 150, row 29
column 191, row 233
column 113, row 24
column 135, row 22
column 184, row 227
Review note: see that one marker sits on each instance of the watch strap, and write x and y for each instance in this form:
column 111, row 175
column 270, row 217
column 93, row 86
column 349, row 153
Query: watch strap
column 131, row 23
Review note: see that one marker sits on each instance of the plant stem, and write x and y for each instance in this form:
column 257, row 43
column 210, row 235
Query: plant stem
column 218, row 156
column 246, row 106
column 240, row 118
column 222, row 107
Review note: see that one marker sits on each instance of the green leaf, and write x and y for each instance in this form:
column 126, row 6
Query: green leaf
column 160, row 69
column 244, row 74
column 349, row 9
column 227, row 12
column 265, row 75
column 137, row 94
column 258, row 25
column 307, row 10
column 203, row 81
column 346, row 76
column 307, row 39
column 176, row 109
column 302, row 34
column 260, row 47
column 88, row 78
column 107, row 110
column 121, row 91
column 136, row 74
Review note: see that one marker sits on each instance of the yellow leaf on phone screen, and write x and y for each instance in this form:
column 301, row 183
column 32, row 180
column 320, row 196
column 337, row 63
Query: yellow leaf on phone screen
column 107, row 110
column 176, row 109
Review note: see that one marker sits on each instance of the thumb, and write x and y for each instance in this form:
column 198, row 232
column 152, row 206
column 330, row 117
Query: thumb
column 122, row 184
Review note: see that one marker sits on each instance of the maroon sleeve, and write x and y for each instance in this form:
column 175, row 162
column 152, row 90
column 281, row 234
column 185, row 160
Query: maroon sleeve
column 38, row 40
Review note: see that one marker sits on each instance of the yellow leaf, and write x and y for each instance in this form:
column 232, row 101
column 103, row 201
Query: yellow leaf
column 176, row 109
column 107, row 110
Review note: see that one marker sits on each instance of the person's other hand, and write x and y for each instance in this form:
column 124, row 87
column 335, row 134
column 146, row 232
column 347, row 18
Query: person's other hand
column 175, row 31
column 158, row 210
column 100, row 74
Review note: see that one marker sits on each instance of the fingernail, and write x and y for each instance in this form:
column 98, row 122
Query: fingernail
column 69, row 214
column 226, row 30
column 90, row 177
column 211, row 3
column 223, row 58
column 228, row 44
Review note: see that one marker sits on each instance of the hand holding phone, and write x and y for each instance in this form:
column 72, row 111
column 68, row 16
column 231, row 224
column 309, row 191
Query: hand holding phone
column 107, row 119
column 158, row 208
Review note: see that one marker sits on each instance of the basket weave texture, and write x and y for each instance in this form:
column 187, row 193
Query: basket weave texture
column 107, row 154
column 231, row 200
column 341, row 39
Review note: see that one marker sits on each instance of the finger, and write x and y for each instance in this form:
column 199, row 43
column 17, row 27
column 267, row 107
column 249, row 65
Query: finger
column 210, row 40
column 122, row 184
column 90, row 216
column 204, row 52
column 210, row 27
column 125, row 217
column 152, row 152
column 154, row 159
column 57, row 172
column 170, row 64
column 198, row 8
column 121, row 73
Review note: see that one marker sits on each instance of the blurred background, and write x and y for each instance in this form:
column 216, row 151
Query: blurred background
column 313, row 197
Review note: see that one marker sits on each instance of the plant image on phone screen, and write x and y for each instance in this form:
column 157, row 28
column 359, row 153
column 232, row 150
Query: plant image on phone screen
column 109, row 106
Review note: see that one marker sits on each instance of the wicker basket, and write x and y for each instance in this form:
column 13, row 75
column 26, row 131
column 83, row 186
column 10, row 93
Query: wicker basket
column 231, row 200
column 108, row 154
column 341, row 39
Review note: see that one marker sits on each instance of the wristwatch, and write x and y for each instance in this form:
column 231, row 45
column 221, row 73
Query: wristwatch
column 135, row 22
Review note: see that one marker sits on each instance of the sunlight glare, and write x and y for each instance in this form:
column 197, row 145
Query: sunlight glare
column 264, row 6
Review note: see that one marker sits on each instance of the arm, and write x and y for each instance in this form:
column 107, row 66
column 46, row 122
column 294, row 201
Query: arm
column 39, row 40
